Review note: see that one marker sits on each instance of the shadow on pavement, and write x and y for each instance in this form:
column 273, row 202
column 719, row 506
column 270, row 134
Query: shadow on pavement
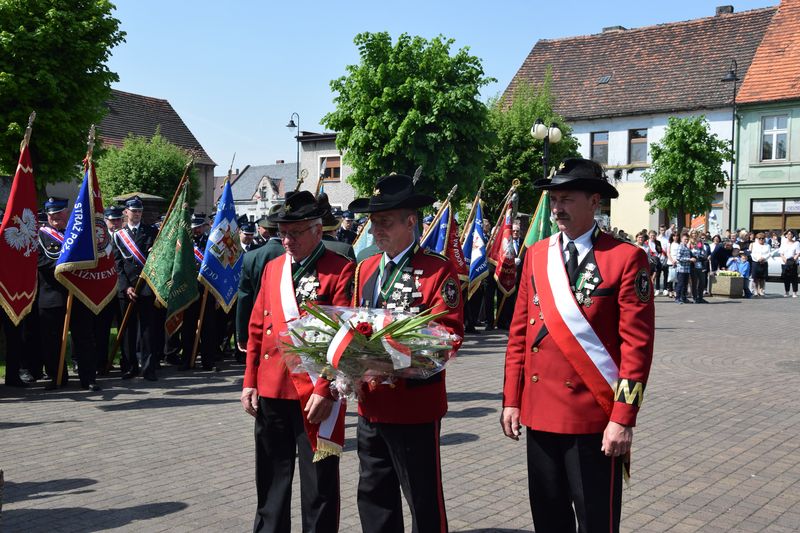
column 212, row 389
column 43, row 520
column 163, row 403
column 471, row 412
column 472, row 396
column 38, row 490
column 458, row 438
column 493, row 530
column 12, row 425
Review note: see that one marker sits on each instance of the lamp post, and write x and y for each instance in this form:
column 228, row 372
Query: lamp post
column 728, row 78
column 292, row 124
column 548, row 135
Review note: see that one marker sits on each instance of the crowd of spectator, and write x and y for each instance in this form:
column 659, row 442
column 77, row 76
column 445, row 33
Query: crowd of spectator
column 683, row 263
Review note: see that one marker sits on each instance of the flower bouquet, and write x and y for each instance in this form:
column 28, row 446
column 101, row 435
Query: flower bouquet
column 352, row 345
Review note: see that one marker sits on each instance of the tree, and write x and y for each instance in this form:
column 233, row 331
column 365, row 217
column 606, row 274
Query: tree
column 152, row 166
column 515, row 154
column 686, row 169
column 53, row 56
column 409, row 104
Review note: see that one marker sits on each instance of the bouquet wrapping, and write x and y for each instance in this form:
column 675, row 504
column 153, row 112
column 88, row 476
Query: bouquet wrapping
column 349, row 345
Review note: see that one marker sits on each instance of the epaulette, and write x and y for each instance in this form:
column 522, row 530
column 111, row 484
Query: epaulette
column 435, row 254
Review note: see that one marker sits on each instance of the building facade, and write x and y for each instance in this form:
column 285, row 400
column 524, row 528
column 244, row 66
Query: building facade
column 324, row 168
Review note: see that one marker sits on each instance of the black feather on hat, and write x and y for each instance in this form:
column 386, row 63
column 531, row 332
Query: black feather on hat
column 576, row 174
column 395, row 191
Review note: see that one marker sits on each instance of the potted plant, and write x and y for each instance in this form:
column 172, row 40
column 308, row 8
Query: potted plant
column 727, row 284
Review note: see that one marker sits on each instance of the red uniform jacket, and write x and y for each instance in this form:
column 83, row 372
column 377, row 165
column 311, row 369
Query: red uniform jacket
column 412, row 401
column 542, row 382
column 266, row 370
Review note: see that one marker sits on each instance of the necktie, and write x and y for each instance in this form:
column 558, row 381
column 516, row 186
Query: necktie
column 295, row 268
column 572, row 262
column 387, row 273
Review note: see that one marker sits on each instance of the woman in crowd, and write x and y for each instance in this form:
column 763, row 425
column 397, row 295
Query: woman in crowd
column 760, row 252
column 699, row 253
column 720, row 253
column 672, row 254
column 684, row 263
column 790, row 254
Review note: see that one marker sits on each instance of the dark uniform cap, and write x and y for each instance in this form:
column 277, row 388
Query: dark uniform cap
column 348, row 215
column 297, row 207
column 113, row 212
column 248, row 228
column 134, row 203
column 395, row 191
column 54, row 205
column 576, row 174
column 198, row 220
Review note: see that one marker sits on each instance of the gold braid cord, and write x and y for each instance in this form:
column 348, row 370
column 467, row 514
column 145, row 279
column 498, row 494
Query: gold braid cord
column 630, row 392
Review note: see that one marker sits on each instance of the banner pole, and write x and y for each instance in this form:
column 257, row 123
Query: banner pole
column 199, row 327
column 129, row 308
column 468, row 224
column 63, row 353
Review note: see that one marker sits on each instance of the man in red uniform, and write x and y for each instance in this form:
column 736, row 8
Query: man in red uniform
column 399, row 422
column 578, row 358
column 295, row 413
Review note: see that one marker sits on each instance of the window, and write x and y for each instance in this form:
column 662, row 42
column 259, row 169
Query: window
column 600, row 147
column 331, row 168
column 637, row 146
column 773, row 137
column 771, row 214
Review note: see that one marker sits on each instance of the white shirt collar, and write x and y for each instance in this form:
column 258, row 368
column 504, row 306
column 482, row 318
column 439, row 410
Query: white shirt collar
column 583, row 244
column 396, row 258
column 134, row 227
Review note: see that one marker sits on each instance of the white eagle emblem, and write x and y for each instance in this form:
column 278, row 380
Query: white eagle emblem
column 24, row 236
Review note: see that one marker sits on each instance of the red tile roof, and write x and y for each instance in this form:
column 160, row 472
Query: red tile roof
column 775, row 72
column 655, row 69
column 141, row 115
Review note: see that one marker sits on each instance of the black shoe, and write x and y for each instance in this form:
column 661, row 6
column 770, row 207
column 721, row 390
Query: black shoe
column 150, row 377
column 16, row 383
column 173, row 359
column 26, row 376
column 94, row 387
column 130, row 374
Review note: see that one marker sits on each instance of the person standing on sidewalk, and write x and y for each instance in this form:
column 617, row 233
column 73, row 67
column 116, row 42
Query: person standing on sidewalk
column 790, row 254
column 684, row 262
column 578, row 358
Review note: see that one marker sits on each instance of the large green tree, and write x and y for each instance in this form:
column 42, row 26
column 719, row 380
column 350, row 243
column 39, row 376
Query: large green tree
column 53, row 56
column 515, row 154
column 412, row 103
column 152, row 166
column 686, row 170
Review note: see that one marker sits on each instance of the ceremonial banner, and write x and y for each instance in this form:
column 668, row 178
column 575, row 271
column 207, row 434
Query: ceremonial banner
column 19, row 243
column 442, row 238
column 502, row 253
column 86, row 265
column 364, row 239
column 170, row 269
column 475, row 251
column 541, row 224
column 221, row 266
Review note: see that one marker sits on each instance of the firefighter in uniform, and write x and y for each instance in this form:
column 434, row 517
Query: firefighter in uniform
column 578, row 358
column 399, row 423
column 288, row 407
column 133, row 243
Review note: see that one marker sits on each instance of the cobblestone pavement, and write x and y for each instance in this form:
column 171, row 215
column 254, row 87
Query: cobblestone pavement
column 717, row 447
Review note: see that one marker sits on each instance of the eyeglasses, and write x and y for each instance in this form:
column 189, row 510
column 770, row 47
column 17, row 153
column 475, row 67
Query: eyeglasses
column 292, row 235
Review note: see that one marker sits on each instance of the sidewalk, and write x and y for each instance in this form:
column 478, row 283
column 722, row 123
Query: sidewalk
column 717, row 447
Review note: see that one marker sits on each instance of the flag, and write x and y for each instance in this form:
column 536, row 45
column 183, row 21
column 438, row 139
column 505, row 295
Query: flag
column 475, row 250
column 86, row 264
column 502, row 252
column 222, row 260
column 442, row 238
column 171, row 270
column 364, row 239
column 541, row 226
column 19, row 243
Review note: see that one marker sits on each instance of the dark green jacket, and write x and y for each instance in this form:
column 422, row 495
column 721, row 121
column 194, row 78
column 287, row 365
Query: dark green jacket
column 250, row 282
column 341, row 248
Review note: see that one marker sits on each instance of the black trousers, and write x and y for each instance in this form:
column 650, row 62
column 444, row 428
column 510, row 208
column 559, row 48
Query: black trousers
column 208, row 349
column 103, row 324
column 394, row 457
column 567, row 470
column 139, row 336
column 84, row 326
column 13, row 355
column 280, row 438
column 32, row 359
column 51, row 326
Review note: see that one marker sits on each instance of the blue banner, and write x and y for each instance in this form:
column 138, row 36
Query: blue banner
column 364, row 240
column 222, row 261
column 475, row 251
column 436, row 239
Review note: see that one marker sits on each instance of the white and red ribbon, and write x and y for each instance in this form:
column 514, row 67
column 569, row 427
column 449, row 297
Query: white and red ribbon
column 130, row 245
column 56, row 236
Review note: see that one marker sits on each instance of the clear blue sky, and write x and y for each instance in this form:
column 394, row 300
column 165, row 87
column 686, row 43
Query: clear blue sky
column 235, row 70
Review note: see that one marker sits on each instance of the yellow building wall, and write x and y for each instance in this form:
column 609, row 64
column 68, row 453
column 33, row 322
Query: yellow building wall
column 630, row 212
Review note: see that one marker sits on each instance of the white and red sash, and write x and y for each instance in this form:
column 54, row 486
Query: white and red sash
column 568, row 326
column 52, row 233
column 127, row 241
column 327, row 438
column 198, row 255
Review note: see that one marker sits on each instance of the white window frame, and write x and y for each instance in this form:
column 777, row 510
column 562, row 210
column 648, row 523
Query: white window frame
column 773, row 133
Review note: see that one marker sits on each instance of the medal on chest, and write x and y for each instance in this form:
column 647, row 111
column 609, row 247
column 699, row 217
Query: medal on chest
column 588, row 280
column 306, row 288
column 404, row 289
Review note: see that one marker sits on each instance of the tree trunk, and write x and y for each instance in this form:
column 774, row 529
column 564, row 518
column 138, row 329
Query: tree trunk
column 681, row 218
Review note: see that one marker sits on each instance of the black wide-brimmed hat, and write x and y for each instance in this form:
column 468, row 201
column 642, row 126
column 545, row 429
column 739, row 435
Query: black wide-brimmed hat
column 576, row 174
column 299, row 206
column 395, row 191
column 329, row 220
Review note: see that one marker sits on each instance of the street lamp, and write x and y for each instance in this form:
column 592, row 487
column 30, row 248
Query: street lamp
column 548, row 135
column 728, row 78
column 292, row 124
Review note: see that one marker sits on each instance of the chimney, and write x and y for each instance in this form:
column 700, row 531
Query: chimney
column 724, row 10
column 280, row 162
column 609, row 29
